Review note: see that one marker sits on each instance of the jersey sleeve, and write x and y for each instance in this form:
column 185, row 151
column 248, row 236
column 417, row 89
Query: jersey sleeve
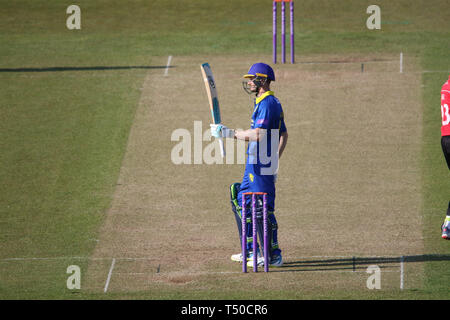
column 282, row 125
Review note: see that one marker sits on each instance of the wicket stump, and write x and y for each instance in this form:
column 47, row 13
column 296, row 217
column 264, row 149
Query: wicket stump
column 283, row 30
column 254, row 222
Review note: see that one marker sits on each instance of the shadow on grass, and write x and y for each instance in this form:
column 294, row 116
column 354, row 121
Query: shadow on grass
column 353, row 263
column 95, row 68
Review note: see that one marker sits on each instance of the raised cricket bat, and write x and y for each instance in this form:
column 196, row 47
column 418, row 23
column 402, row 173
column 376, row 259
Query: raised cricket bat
column 211, row 91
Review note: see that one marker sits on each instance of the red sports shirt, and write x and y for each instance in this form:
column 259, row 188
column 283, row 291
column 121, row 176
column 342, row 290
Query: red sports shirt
column 445, row 108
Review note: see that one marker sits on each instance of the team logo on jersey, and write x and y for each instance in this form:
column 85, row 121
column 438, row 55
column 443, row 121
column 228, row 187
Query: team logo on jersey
column 262, row 121
column 251, row 177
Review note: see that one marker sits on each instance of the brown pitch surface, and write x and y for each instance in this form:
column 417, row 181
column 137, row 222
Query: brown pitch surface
column 349, row 180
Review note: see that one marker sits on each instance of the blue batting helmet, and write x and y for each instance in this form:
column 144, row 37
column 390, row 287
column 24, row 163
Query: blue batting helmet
column 261, row 70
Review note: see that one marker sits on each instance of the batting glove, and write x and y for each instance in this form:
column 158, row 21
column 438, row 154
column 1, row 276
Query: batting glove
column 221, row 131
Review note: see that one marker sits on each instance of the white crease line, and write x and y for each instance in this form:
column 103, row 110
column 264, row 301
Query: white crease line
column 109, row 274
column 277, row 270
column 435, row 71
column 68, row 258
column 402, row 259
column 401, row 62
column 44, row 258
column 290, row 258
column 166, row 71
column 149, row 258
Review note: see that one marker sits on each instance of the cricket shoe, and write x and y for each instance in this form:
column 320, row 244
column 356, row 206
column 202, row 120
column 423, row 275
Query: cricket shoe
column 275, row 261
column 259, row 261
column 238, row 257
column 446, row 229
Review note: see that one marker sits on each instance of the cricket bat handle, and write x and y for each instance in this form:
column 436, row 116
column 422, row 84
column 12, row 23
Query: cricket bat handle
column 222, row 149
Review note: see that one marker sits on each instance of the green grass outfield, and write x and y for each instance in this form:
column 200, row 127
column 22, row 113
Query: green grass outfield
column 64, row 131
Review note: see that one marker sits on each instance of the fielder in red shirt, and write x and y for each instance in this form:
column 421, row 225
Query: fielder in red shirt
column 445, row 142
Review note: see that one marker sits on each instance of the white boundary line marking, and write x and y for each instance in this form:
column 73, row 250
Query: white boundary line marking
column 166, row 71
column 109, row 274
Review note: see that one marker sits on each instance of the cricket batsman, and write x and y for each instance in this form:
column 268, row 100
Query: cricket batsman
column 267, row 138
column 445, row 142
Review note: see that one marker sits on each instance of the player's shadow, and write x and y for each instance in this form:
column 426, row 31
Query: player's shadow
column 93, row 68
column 354, row 263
